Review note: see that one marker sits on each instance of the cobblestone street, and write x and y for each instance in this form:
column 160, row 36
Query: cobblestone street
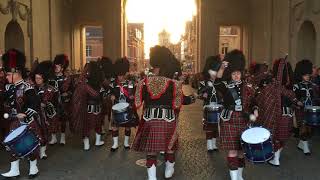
column 193, row 161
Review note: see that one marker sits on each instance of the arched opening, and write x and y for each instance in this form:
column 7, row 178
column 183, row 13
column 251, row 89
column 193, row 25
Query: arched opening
column 307, row 42
column 14, row 36
column 165, row 25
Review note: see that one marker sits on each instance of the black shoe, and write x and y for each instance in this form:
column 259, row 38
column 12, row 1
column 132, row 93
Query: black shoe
column 307, row 154
column 273, row 164
column 44, row 157
column 127, row 147
column 33, row 176
column 114, row 150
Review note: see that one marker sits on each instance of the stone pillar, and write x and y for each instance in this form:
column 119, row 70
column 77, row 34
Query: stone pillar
column 114, row 39
column 209, row 32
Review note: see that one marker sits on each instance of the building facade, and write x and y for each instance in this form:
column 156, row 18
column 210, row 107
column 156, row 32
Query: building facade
column 135, row 49
column 189, row 46
column 94, row 42
column 269, row 29
column 164, row 40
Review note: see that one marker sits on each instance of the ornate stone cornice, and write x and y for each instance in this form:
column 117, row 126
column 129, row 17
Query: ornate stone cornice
column 17, row 10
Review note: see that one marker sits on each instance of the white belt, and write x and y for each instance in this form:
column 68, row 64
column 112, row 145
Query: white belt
column 159, row 113
column 287, row 111
column 94, row 109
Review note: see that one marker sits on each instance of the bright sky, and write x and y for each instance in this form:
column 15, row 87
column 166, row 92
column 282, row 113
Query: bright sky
column 157, row 15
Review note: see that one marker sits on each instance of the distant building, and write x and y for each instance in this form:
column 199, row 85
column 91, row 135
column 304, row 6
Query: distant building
column 189, row 46
column 136, row 46
column 94, row 42
column 164, row 40
column 229, row 39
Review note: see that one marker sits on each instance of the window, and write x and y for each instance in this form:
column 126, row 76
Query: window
column 88, row 51
column 224, row 49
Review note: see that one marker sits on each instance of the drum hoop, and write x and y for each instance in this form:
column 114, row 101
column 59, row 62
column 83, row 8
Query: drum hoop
column 15, row 138
column 216, row 107
column 127, row 105
column 312, row 109
column 33, row 149
column 258, row 142
column 253, row 161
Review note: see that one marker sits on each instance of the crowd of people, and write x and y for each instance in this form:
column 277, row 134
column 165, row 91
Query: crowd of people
column 39, row 105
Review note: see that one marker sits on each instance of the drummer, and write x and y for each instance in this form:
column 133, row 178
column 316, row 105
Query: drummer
column 122, row 91
column 237, row 100
column 22, row 106
column 275, row 101
column 211, row 96
column 306, row 92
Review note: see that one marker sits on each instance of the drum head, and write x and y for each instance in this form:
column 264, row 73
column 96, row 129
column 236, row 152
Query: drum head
column 255, row 135
column 313, row 108
column 15, row 133
column 120, row 106
column 213, row 106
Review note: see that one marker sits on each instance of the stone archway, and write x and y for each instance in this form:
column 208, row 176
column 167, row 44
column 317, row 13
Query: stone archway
column 307, row 42
column 14, row 36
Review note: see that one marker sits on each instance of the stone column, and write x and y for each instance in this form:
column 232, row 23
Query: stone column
column 114, row 26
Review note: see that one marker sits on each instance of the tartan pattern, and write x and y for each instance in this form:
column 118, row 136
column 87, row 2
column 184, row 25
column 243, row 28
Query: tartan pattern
column 230, row 132
column 305, row 130
column 178, row 95
column 154, row 136
column 247, row 93
column 54, row 125
column 282, row 131
column 80, row 121
column 270, row 109
column 270, row 105
column 299, row 117
column 138, row 98
column 93, row 122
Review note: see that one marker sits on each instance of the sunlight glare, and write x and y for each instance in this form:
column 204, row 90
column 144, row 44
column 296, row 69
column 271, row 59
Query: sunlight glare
column 158, row 15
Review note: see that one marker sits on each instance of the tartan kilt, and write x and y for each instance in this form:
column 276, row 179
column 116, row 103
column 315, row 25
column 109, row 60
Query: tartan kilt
column 54, row 124
column 230, row 132
column 299, row 117
column 209, row 126
column 283, row 129
column 106, row 107
column 154, row 136
column 67, row 112
column 93, row 121
column 134, row 120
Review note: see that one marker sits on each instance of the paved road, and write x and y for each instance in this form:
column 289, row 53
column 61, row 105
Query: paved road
column 193, row 162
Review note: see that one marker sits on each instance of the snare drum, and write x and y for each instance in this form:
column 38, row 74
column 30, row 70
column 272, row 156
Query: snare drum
column 257, row 144
column 120, row 113
column 212, row 113
column 312, row 115
column 21, row 142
